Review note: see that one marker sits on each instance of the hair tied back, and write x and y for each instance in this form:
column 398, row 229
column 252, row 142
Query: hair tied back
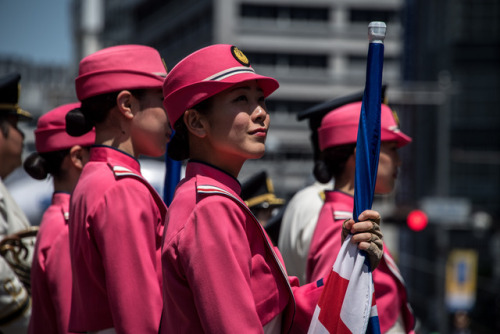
column 76, row 123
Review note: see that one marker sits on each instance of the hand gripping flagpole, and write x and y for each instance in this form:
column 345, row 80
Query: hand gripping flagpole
column 347, row 302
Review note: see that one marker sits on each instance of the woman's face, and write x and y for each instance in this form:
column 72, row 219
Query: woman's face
column 11, row 147
column 151, row 131
column 388, row 165
column 238, row 123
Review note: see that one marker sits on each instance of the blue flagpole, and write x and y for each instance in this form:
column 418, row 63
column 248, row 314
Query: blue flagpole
column 368, row 141
column 172, row 178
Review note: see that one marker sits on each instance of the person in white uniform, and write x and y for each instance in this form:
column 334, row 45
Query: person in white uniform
column 15, row 301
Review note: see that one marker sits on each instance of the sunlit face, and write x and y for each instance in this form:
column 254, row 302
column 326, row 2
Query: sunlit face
column 388, row 165
column 11, row 147
column 238, row 123
column 150, row 131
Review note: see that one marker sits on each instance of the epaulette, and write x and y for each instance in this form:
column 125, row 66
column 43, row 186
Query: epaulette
column 121, row 171
column 338, row 215
column 211, row 190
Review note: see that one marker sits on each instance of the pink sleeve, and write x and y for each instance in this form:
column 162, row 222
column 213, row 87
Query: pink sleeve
column 218, row 267
column 42, row 312
column 306, row 298
column 127, row 239
column 51, row 276
column 325, row 245
column 60, row 278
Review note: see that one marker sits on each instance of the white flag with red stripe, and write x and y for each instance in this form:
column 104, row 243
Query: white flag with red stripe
column 347, row 303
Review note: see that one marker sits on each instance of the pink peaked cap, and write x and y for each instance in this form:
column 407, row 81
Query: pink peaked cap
column 340, row 127
column 120, row 67
column 51, row 135
column 206, row 73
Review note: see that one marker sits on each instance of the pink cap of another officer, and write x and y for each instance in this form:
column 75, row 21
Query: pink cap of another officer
column 119, row 67
column 206, row 73
column 50, row 134
column 340, row 127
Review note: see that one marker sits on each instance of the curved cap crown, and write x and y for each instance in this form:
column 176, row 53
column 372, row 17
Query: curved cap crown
column 119, row 67
column 9, row 96
column 206, row 73
column 50, row 133
column 340, row 127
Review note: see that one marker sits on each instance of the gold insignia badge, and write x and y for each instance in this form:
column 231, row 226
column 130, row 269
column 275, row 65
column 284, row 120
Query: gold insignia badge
column 240, row 56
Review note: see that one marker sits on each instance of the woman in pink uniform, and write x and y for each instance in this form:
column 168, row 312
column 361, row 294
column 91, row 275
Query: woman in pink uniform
column 221, row 273
column 337, row 140
column 62, row 157
column 116, row 217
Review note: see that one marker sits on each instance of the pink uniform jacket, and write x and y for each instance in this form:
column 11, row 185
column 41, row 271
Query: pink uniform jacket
column 115, row 228
column 221, row 273
column 51, row 270
column 390, row 291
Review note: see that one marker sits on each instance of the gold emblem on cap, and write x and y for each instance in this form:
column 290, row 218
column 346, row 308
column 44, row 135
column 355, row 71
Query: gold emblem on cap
column 240, row 56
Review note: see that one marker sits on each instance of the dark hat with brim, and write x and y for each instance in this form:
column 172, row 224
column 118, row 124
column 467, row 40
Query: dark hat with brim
column 258, row 192
column 9, row 97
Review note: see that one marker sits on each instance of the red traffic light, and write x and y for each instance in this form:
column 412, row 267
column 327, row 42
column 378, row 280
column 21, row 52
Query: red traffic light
column 417, row 220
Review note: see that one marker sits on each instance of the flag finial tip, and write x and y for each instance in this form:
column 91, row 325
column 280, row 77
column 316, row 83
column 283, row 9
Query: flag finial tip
column 376, row 32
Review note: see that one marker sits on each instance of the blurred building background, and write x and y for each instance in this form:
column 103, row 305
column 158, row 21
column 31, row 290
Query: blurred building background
column 442, row 68
column 316, row 50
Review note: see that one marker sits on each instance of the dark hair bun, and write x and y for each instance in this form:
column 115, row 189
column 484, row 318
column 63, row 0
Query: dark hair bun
column 178, row 148
column 77, row 124
column 36, row 166
column 321, row 171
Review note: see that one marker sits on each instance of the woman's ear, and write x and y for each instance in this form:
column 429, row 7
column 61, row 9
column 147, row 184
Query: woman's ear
column 78, row 156
column 195, row 123
column 124, row 102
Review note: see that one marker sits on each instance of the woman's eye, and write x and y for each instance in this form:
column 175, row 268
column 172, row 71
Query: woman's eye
column 241, row 98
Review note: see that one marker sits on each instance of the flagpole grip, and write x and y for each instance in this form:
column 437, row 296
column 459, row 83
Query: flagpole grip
column 376, row 32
